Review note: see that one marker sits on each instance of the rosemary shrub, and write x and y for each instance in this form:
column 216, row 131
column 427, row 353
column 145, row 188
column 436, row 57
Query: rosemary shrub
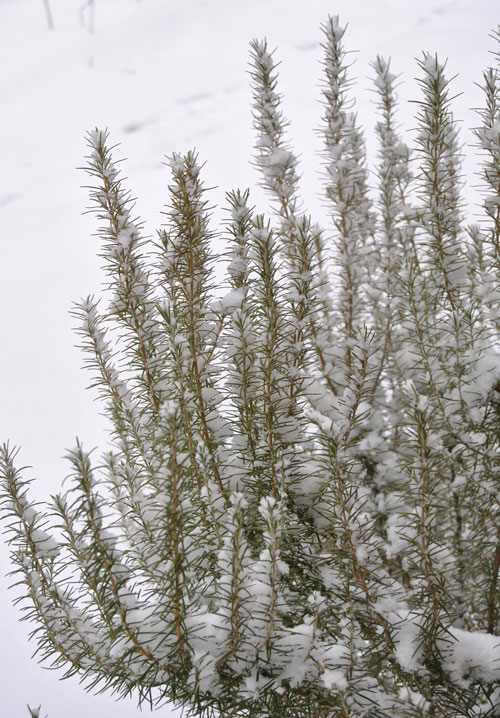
column 299, row 512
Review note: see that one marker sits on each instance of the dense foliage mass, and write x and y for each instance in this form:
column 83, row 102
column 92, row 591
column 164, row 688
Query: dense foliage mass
column 299, row 515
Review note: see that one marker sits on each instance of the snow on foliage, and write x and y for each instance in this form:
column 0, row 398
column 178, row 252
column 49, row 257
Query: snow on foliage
column 299, row 512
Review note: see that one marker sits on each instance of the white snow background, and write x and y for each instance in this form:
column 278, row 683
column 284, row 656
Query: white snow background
column 163, row 76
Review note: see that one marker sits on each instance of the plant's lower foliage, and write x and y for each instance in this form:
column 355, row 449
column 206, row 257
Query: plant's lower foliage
column 299, row 512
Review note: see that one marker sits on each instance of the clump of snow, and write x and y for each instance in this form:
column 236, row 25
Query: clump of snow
column 230, row 301
column 125, row 237
column 470, row 653
column 334, row 679
column 489, row 136
column 168, row 408
column 97, row 138
column 277, row 162
column 176, row 162
column 45, row 544
column 414, row 698
column 238, row 500
column 334, row 30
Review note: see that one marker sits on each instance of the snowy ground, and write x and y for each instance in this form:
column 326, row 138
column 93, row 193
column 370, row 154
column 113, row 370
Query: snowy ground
column 162, row 75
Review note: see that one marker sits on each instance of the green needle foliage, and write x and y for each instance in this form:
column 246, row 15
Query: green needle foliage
column 299, row 514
